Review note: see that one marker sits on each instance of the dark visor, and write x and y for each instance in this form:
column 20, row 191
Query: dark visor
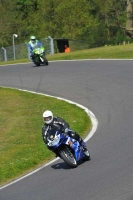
column 47, row 118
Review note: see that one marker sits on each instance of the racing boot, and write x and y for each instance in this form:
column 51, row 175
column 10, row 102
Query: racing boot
column 32, row 58
column 79, row 139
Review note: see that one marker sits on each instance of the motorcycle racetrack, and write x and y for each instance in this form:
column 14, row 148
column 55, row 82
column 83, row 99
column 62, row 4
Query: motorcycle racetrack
column 105, row 87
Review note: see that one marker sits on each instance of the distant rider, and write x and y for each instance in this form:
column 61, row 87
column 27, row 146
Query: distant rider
column 32, row 44
column 50, row 120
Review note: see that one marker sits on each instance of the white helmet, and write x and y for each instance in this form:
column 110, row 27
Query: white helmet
column 33, row 39
column 48, row 116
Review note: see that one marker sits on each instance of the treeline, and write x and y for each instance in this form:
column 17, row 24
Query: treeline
column 99, row 22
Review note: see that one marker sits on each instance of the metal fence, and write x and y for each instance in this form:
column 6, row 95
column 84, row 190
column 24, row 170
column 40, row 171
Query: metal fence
column 20, row 51
column 7, row 53
column 78, row 45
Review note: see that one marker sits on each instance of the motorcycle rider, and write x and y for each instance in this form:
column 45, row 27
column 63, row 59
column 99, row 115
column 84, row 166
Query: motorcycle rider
column 33, row 43
column 50, row 120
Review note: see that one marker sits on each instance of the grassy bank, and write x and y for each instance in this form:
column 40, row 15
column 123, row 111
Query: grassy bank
column 106, row 52
column 21, row 145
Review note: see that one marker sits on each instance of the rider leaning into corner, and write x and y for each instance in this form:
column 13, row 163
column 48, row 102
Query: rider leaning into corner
column 50, row 120
column 32, row 44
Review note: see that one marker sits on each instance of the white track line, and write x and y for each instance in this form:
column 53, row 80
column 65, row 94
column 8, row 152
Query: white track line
column 90, row 134
column 95, row 59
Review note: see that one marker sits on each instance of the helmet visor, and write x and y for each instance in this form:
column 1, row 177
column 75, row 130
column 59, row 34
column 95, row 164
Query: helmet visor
column 33, row 40
column 46, row 119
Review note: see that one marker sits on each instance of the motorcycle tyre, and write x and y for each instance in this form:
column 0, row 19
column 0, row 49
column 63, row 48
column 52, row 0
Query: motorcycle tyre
column 63, row 154
column 37, row 63
column 45, row 60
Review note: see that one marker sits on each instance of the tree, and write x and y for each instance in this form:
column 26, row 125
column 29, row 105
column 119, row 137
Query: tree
column 6, row 22
column 129, row 22
column 97, row 21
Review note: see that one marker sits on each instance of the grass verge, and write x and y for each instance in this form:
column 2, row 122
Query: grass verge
column 21, row 145
column 106, row 52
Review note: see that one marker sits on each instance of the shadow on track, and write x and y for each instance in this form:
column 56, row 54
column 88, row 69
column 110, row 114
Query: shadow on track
column 63, row 165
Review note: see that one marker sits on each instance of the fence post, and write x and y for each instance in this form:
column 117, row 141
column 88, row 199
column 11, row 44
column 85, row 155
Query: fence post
column 51, row 44
column 28, row 51
column 5, row 55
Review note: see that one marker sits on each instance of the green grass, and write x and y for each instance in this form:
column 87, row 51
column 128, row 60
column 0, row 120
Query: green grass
column 21, row 145
column 106, row 52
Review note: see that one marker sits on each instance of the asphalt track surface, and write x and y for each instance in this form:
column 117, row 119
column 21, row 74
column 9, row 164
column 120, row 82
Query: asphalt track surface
column 106, row 88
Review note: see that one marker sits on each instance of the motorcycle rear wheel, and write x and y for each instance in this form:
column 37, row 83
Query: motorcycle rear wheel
column 68, row 157
column 45, row 60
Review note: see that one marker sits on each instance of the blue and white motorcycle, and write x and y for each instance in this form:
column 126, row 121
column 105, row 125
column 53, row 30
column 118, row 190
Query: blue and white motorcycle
column 66, row 148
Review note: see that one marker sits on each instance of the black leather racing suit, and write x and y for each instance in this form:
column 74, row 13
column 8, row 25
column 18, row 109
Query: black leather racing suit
column 63, row 125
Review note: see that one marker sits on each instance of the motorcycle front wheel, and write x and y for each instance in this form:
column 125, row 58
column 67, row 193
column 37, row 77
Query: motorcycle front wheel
column 37, row 63
column 68, row 157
